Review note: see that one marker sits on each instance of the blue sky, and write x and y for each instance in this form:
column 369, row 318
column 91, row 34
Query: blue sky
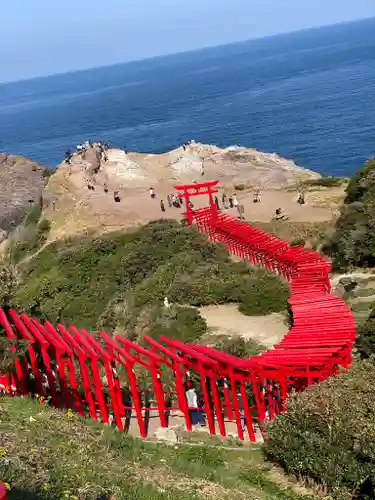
column 41, row 37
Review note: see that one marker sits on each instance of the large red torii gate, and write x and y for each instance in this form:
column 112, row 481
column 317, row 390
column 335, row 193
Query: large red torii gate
column 187, row 190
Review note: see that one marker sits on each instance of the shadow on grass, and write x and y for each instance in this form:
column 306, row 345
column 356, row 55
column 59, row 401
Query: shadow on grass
column 18, row 494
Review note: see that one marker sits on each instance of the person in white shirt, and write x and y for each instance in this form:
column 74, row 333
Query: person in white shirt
column 195, row 414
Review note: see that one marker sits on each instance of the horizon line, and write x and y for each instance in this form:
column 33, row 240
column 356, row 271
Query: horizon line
column 171, row 54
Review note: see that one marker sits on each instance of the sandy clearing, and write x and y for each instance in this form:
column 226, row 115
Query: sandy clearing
column 227, row 320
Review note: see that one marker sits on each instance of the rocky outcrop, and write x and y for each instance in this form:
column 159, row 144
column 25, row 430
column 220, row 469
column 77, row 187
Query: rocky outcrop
column 21, row 184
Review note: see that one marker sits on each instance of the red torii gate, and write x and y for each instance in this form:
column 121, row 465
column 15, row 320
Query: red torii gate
column 187, row 190
column 80, row 372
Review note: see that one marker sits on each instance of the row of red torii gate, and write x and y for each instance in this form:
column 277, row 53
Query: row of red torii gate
column 116, row 381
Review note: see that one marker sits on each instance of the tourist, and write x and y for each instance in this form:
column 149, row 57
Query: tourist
column 169, row 200
column 256, row 196
column 162, row 207
column 301, row 198
column 68, row 157
column 116, row 196
column 279, row 215
column 235, row 201
column 230, row 200
column 217, row 202
column 241, row 410
column 105, row 187
column 152, row 193
column 196, row 416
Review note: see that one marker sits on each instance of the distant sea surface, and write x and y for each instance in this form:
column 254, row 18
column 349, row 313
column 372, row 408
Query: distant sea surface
column 309, row 96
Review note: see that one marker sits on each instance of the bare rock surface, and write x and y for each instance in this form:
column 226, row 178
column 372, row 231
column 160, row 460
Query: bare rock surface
column 21, row 184
column 106, row 190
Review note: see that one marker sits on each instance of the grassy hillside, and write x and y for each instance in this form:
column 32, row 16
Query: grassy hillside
column 42, row 458
column 352, row 244
column 120, row 281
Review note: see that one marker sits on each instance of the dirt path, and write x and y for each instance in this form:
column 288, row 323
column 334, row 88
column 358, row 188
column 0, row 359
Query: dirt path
column 227, row 320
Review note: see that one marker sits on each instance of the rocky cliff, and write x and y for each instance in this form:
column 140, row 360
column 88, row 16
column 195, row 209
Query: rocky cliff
column 21, row 184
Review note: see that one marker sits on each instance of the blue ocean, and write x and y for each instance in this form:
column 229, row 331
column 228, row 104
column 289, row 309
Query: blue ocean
column 309, row 96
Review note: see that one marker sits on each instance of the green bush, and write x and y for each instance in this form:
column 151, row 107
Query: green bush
column 120, row 280
column 328, row 434
column 326, row 181
column 353, row 242
column 33, row 216
column 365, row 342
column 239, row 187
column 238, row 346
column 298, row 242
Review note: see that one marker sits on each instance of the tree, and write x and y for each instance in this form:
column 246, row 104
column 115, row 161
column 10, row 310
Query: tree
column 365, row 342
column 353, row 241
column 9, row 349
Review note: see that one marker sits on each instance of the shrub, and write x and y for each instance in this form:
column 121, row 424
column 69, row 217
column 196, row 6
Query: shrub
column 328, row 434
column 326, row 181
column 239, row 187
column 9, row 349
column 365, row 341
column 238, row 346
column 353, row 242
column 297, row 242
column 118, row 280
column 33, row 216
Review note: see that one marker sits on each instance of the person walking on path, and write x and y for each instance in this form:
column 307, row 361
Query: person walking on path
column 235, row 201
column 196, row 416
column 162, row 207
column 242, row 412
column 152, row 193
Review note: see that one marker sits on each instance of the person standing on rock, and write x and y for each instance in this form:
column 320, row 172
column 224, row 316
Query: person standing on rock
column 202, row 168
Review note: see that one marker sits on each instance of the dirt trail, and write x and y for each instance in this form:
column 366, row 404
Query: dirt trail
column 227, row 320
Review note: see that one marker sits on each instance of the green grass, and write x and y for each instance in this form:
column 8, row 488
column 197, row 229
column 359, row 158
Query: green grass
column 327, row 181
column 312, row 233
column 120, row 281
column 49, row 455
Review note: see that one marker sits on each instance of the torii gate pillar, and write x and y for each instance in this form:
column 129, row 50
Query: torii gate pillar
column 187, row 190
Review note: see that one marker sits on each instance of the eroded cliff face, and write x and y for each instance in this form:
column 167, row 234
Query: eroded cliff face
column 21, row 184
